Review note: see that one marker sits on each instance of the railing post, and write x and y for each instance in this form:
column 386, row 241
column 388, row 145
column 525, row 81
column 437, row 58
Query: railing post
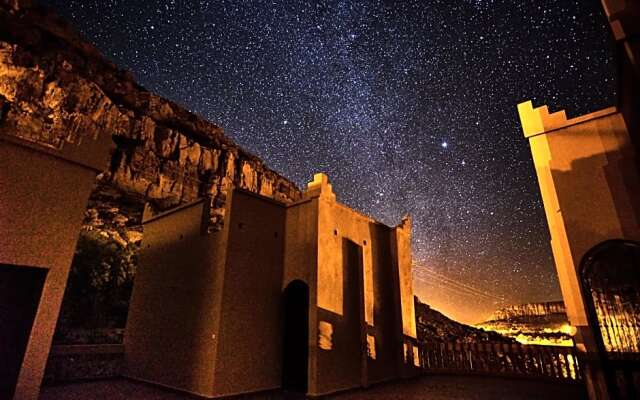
column 538, row 358
column 543, row 362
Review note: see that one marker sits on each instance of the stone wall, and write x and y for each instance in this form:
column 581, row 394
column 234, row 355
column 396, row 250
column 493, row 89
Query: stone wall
column 58, row 90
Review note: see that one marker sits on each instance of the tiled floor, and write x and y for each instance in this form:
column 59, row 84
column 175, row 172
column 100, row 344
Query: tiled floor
column 441, row 387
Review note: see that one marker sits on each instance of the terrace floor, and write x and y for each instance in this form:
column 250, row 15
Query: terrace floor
column 434, row 387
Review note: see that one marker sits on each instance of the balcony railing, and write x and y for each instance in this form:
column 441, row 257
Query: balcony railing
column 535, row 361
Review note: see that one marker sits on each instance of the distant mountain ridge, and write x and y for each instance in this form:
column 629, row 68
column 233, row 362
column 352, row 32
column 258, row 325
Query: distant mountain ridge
column 533, row 323
column 529, row 310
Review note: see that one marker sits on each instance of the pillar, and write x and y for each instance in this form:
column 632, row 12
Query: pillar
column 586, row 168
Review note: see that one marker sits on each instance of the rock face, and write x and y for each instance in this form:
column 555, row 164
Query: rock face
column 533, row 323
column 57, row 90
column 529, row 310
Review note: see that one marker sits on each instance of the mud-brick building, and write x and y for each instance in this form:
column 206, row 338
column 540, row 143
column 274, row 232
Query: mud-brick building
column 39, row 223
column 589, row 175
column 226, row 280
column 310, row 296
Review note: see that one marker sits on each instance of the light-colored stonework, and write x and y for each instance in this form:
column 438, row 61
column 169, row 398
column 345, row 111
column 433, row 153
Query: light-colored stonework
column 588, row 173
column 589, row 184
column 207, row 311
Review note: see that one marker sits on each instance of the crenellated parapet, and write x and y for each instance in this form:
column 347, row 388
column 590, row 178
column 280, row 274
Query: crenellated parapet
column 320, row 187
column 538, row 120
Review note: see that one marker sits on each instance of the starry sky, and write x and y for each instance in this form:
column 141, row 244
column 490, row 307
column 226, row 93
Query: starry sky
column 408, row 106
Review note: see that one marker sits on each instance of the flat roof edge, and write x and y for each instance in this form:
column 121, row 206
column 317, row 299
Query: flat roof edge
column 605, row 112
column 172, row 210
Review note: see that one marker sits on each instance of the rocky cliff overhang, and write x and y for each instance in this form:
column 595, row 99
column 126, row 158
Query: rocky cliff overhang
column 58, row 90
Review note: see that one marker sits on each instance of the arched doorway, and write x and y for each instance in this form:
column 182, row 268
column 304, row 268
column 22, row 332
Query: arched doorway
column 296, row 337
column 610, row 279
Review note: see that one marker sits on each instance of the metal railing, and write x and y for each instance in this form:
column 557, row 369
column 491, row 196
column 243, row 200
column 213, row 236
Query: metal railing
column 534, row 361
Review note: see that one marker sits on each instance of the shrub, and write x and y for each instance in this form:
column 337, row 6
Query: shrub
column 100, row 283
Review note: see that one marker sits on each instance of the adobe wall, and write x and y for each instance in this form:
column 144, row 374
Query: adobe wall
column 205, row 314
column 237, row 276
column 387, row 328
column 301, row 244
column 249, row 353
column 300, row 263
column 339, row 362
column 39, row 223
column 587, row 171
column 175, row 306
column 358, row 295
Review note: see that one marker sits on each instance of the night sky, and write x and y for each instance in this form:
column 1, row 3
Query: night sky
column 408, row 106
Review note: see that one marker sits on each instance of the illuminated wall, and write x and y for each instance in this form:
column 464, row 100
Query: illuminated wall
column 364, row 262
column 587, row 171
column 206, row 313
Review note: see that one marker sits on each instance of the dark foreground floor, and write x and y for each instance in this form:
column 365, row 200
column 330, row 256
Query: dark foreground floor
column 441, row 387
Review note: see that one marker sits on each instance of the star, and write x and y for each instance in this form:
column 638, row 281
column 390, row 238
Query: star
column 363, row 81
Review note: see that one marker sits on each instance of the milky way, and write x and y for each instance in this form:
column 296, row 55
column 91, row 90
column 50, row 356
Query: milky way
column 408, row 106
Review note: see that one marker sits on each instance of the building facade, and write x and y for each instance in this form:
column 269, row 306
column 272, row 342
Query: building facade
column 44, row 188
column 311, row 297
column 589, row 176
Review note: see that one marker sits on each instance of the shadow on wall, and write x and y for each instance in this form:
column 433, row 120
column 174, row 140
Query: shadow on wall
column 383, row 337
column 339, row 358
column 585, row 223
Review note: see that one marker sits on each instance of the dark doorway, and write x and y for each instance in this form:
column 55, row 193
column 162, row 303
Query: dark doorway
column 354, row 361
column 20, row 290
column 296, row 337
column 610, row 278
